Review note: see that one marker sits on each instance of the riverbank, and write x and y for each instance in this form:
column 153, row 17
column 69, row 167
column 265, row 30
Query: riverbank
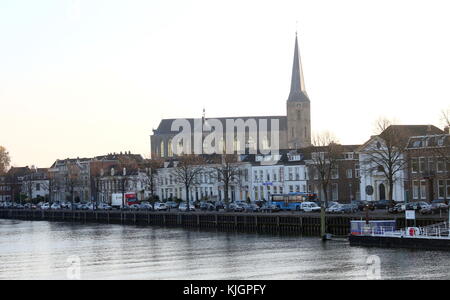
column 307, row 224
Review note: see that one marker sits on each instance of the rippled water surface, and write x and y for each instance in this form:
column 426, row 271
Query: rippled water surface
column 40, row 250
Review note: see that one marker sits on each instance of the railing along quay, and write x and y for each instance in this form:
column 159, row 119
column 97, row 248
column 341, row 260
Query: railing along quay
column 270, row 223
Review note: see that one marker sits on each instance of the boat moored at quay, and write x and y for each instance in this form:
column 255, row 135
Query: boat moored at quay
column 384, row 234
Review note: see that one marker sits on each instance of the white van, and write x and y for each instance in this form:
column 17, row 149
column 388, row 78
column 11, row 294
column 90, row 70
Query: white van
column 310, row 207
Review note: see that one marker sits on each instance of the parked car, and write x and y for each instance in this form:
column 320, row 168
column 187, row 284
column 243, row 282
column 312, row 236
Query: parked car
column 145, row 206
column 45, row 206
column 382, row 204
column 330, row 204
column 252, row 208
column 18, row 206
column 219, row 205
column 434, row 208
column 135, row 207
column 55, row 206
column 398, row 208
column 310, row 207
column 206, row 206
column 270, row 208
column 183, row 207
column 361, row 205
column 29, row 206
column 103, row 206
column 347, row 209
column 160, row 206
column 172, row 204
column 237, row 207
column 334, row 209
column 417, row 206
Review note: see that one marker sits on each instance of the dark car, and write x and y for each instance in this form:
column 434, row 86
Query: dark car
column 219, row 205
column 349, row 208
column 252, row 208
column 206, row 206
column 382, row 204
column 360, row 205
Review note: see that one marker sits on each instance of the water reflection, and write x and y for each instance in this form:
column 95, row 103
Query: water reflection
column 39, row 250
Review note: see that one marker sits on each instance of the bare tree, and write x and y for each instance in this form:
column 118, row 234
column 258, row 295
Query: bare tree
column 445, row 117
column 126, row 165
column 30, row 182
column 325, row 154
column 152, row 167
column 387, row 155
column 227, row 172
column 186, row 171
column 5, row 160
column 72, row 180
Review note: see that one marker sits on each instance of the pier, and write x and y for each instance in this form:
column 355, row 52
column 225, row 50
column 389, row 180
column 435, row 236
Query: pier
column 269, row 223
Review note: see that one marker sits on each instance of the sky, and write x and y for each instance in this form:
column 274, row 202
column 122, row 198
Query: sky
column 80, row 78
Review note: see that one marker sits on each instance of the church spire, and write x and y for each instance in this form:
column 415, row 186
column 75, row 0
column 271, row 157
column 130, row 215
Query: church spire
column 298, row 91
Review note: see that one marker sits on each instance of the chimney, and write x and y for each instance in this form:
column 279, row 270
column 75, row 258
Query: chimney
column 447, row 130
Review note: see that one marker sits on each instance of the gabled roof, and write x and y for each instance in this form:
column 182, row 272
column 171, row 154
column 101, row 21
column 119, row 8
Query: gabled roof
column 402, row 133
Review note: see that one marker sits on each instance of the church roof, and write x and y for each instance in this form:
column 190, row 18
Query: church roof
column 165, row 126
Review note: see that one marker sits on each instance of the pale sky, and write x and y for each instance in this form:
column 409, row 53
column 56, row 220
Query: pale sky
column 80, row 78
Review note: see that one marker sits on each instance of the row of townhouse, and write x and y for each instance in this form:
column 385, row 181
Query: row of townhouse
column 94, row 179
column 417, row 157
column 24, row 183
column 261, row 176
column 411, row 162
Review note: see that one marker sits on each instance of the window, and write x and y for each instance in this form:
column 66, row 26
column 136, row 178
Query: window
column 334, row 173
column 448, row 189
column 349, row 155
column 357, row 172
column 38, row 186
column 349, row 173
column 430, row 164
column 440, row 165
column 423, row 189
column 422, row 166
column 335, row 192
column 441, row 189
column 162, row 148
column 414, row 165
column 169, row 148
column 416, row 188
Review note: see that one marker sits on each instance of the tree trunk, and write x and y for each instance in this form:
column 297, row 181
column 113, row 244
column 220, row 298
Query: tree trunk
column 391, row 192
column 227, row 200
column 187, row 199
column 325, row 194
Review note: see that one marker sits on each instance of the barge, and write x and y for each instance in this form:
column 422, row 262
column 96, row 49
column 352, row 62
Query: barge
column 434, row 237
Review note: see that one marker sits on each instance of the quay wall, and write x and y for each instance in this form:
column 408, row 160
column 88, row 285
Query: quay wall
column 268, row 223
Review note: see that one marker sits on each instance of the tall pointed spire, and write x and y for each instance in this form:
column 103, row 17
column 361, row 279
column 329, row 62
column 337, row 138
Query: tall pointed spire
column 298, row 91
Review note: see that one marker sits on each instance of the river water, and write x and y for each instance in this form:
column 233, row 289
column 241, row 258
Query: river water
column 44, row 250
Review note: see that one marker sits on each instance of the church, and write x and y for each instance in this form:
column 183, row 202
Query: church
column 293, row 129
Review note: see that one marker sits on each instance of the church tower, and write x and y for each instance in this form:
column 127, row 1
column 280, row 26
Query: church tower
column 298, row 107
